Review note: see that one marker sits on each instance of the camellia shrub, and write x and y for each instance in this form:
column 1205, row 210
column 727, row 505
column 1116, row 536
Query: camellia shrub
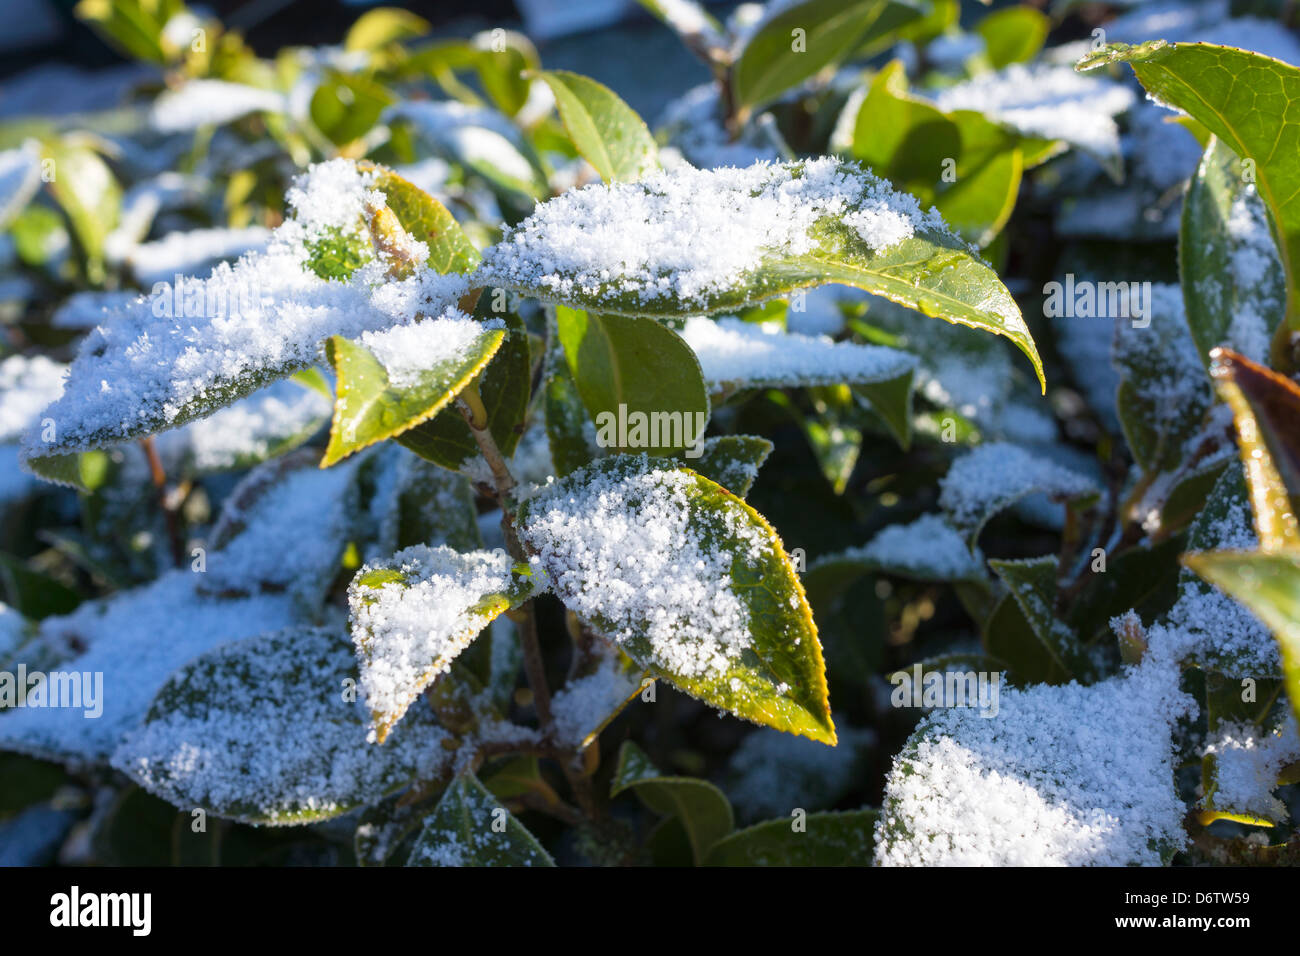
column 411, row 454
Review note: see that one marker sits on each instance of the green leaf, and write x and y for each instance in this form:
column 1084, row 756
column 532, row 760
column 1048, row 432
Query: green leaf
column 504, row 387
column 605, row 130
column 1245, row 99
column 1266, row 408
column 979, row 201
column 730, row 460
column 89, row 195
column 903, row 138
column 891, row 400
column 933, row 272
column 134, row 26
column 828, row 839
column 631, row 372
column 715, row 608
column 369, row 407
column 1269, row 584
column 346, row 106
column 1227, row 260
column 701, row 808
column 1013, row 35
column 381, row 26
column 1032, row 583
column 569, row 430
column 465, row 829
column 777, row 57
column 281, row 743
column 414, row 613
column 427, row 220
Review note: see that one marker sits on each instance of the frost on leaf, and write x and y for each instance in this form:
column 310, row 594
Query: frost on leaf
column 703, row 241
column 196, row 345
column 465, row 829
column 1061, row 776
column 995, row 476
column 771, row 773
column 264, row 731
column 735, row 354
column 687, row 579
column 413, row 614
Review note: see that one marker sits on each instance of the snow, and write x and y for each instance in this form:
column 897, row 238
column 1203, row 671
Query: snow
column 687, row 235
column 85, row 310
column 628, row 549
column 409, row 630
column 1260, row 300
column 251, row 430
column 263, row 729
column 20, row 178
column 928, row 548
column 1247, row 761
column 1051, row 102
column 211, row 103
column 751, row 354
column 584, row 704
column 1063, row 776
column 772, row 773
column 184, row 253
column 182, row 351
column 27, row 385
column 1160, row 361
column 409, row 352
column 995, row 475
column 135, row 639
column 694, row 125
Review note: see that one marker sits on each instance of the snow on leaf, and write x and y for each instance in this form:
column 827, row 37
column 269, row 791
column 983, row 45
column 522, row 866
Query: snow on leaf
column 392, row 380
column 413, row 614
column 463, row 830
column 731, row 460
column 927, row 549
column 1232, row 278
column 694, row 241
column 995, row 476
column 186, row 253
column 771, row 774
column 587, row 702
column 282, row 529
column 1206, row 626
column 688, row 580
column 263, row 731
column 188, row 349
column 20, row 178
column 27, row 385
column 1247, row 761
column 1062, row 776
column 211, row 103
column 134, row 639
column 735, row 354
column 1047, row 102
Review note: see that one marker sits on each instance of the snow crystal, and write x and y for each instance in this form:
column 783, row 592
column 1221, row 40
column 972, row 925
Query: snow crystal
column 763, row 354
column 997, row 474
column 409, row 631
column 627, row 549
column 685, row 235
column 1062, row 776
column 1247, row 761
column 211, row 103
column 262, row 728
